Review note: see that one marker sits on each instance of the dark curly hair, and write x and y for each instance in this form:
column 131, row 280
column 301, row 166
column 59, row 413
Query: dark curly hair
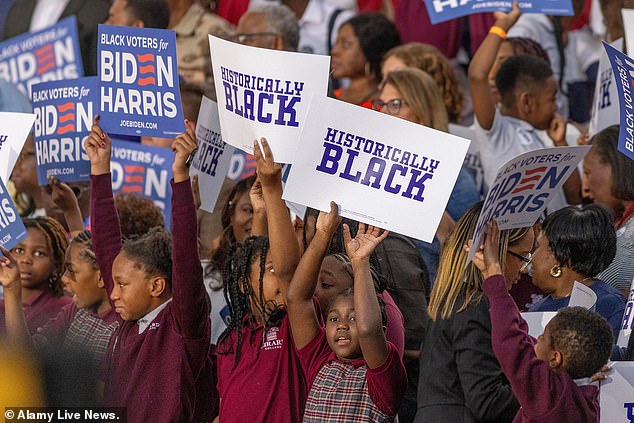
column 584, row 338
column 349, row 292
column 376, row 34
column 582, row 239
column 152, row 252
column 521, row 45
column 241, row 297
column 137, row 214
column 520, row 71
column 57, row 241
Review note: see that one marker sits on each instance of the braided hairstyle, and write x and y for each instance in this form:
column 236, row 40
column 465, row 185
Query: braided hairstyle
column 83, row 240
column 241, row 297
column 57, row 241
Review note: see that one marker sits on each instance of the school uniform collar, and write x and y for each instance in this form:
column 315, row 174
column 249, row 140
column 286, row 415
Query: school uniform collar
column 187, row 25
column 356, row 363
column 145, row 321
column 584, row 381
column 521, row 123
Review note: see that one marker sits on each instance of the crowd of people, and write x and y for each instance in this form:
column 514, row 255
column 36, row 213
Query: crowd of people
column 254, row 314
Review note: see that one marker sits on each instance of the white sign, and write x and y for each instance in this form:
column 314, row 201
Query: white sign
column 379, row 169
column 524, row 186
column 537, row 321
column 582, row 296
column 617, row 393
column 605, row 107
column 265, row 93
column 211, row 162
column 628, row 320
column 14, row 129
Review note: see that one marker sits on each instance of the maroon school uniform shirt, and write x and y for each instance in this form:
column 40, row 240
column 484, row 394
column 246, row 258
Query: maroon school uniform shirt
column 544, row 395
column 163, row 374
column 395, row 330
column 40, row 309
column 347, row 391
column 267, row 384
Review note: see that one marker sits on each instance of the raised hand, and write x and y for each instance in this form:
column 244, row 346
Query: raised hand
column 256, row 196
column 506, row 20
column 269, row 172
column 327, row 223
column 487, row 258
column 184, row 146
column 9, row 270
column 62, row 195
column 363, row 245
column 98, row 146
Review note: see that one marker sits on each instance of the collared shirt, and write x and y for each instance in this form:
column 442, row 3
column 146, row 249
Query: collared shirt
column 145, row 321
column 46, row 13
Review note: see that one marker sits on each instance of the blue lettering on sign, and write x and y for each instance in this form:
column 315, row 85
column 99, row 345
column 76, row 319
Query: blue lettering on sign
column 263, row 99
column 604, row 95
column 629, row 406
column 623, row 68
column 394, row 170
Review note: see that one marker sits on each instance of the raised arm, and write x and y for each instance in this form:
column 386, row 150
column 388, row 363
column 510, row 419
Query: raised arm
column 299, row 296
column 17, row 330
column 366, row 305
column 64, row 198
column 259, row 223
column 284, row 249
column 105, row 227
column 481, row 64
column 188, row 293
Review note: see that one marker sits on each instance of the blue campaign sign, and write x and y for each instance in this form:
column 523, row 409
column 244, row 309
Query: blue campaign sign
column 138, row 77
column 444, row 10
column 64, row 113
column 47, row 55
column 143, row 170
column 11, row 228
column 623, row 67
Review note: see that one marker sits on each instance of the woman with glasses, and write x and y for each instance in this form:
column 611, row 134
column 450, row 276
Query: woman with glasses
column 576, row 245
column 460, row 378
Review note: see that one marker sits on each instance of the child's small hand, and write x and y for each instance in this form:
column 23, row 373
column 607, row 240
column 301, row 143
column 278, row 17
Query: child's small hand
column 364, row 244
column 269, row 172
column 557, row 131
column 98, row 146
column 506, row 20
column 9, row 270
column 184, row 146
column 256, row 196
column 62, row 195
column 327, row 223
column 486, row 258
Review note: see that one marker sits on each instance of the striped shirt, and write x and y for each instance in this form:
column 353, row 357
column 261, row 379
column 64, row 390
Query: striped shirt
column 620, row 272
column 349, row 391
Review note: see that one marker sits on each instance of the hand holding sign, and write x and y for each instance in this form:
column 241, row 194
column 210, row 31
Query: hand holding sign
column 184, row 146
column 506, row 20
column 486, row 259
column 98, row 147
column 269, row 172
column 364, row 243
column 9, row 270
column 327, row 223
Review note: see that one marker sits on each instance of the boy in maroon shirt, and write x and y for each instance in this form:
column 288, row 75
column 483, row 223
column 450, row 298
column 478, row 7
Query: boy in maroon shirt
column 158, row 362
column 550, row 379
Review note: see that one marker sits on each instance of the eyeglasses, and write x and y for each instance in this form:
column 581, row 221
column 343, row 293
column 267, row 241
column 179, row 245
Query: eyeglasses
column 244, row 38
column 527, row 260
column 393, row 106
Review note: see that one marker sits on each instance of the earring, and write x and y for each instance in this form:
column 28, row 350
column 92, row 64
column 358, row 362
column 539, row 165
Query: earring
column 556, row 271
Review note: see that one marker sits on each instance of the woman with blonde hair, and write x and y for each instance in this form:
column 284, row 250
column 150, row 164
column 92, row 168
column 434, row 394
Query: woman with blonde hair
column 430, row 60
column 461, row 380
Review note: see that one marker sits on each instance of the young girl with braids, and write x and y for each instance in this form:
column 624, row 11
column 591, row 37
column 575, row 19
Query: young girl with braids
column 41, row 259
column 89, row 320
column 259, row 375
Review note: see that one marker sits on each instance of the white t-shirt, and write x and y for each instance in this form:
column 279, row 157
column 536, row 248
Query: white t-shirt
column 46, row 13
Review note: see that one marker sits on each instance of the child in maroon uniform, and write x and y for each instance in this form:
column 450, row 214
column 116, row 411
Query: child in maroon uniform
column 157, row 364
column 259, row 375
column 354, row 374
column 550, row 378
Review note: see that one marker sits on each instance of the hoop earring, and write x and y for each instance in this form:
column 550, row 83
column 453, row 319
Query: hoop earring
column 556, row 271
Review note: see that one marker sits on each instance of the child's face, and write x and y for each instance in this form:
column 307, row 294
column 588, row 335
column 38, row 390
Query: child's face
column 35, row 260
column 131, row 293
column 544, row 347
column 333, row 279
column 271, row 286
column 545, row 104
column 81, row 278
column 341, row 328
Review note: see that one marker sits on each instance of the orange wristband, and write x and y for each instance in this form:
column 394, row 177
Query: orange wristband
column 498, row 31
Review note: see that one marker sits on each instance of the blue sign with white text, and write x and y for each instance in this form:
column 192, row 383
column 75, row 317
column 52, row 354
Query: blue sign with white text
column 64, row 113
column 51, row 54
column 444, row 10
column 143, row 170
column 623, row 67
column 11, row 227
column 138, row 77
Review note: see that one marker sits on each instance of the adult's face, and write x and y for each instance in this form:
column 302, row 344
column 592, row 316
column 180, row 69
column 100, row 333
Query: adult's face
column 254, row 30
